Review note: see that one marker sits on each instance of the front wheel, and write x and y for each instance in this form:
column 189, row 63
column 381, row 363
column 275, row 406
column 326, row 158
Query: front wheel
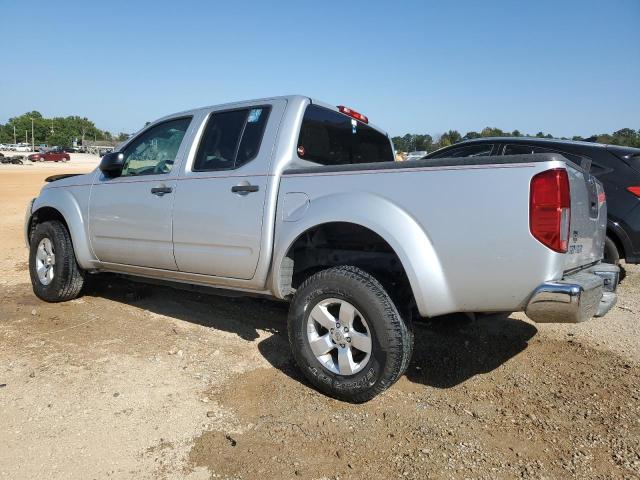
column 55, row 274
column 347, row 336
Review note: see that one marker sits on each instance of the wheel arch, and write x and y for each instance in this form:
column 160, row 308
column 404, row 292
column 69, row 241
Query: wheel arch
column 63, row 207
column 620, row 238
column 407, row 240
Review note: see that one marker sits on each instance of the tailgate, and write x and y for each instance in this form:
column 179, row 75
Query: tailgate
column 588, row 220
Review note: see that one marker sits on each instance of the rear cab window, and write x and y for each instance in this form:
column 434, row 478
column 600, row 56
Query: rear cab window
column 231, row 138
column 328, row 137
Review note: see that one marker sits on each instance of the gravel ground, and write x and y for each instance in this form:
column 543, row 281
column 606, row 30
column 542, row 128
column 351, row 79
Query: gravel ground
column 133, row 381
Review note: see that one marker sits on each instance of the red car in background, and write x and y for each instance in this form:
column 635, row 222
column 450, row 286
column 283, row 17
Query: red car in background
column 54, row 155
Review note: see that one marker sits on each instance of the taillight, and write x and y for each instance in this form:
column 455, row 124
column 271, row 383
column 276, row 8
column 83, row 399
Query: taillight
column 353, row 114
column 602, row 197
column 634, row 190
column 550, row 209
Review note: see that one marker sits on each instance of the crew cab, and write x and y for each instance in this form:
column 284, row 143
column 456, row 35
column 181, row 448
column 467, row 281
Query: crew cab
column 53, row 155
column 302, row 201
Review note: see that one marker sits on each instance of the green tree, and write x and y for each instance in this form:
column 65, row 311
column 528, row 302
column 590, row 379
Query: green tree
column 471, row 135
column 53, row 131
column 452, row 136
column 412, row 142
column 492, row 132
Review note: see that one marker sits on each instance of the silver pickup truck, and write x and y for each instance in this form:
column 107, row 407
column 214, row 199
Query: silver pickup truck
column 302, row 201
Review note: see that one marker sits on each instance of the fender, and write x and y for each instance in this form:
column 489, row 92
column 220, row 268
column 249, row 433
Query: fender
column 407, row 238
column 614, row 226
column 64, row 201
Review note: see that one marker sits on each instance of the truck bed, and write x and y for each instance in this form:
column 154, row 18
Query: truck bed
column 471, row 222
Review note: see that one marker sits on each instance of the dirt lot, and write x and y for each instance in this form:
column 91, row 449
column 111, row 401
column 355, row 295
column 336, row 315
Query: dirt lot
column 150, row 382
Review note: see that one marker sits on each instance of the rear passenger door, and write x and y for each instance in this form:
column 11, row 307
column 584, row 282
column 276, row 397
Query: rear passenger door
column 220, row 198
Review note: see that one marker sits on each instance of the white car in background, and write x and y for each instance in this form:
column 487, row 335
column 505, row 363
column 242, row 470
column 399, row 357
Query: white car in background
column 23, row 147
column 417, row 155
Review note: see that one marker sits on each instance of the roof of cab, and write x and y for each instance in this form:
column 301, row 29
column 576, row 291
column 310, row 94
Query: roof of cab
column 289, row 98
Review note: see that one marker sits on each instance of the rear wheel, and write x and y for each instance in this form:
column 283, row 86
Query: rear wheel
column 55, row 274
column 611, row 253
column 347, row 335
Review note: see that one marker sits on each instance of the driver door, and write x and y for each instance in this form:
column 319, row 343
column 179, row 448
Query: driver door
column 130, row 215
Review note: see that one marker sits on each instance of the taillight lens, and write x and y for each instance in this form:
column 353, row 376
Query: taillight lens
column 550, row 209
column 634, row 190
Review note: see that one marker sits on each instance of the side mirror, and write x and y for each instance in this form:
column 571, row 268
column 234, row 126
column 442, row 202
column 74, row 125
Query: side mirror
column 112, row 163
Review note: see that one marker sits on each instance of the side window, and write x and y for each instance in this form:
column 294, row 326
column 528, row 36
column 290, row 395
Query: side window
column 155, row 150
column 252, row 136
column 524, row 150
column 231, row 139
column 479, row 150
column 530, row 149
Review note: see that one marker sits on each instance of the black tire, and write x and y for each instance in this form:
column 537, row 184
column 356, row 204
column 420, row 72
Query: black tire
column 611, row 253
column 68, row 277
column 391, row 335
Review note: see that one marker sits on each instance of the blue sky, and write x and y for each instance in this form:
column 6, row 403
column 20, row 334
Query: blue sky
column 569, row 67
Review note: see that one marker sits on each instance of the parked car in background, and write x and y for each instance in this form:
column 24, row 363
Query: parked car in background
column 303, row 201
column 23, row 147
column 50, row 156
column 104, row 150
column 418, row 154
column 617, row 167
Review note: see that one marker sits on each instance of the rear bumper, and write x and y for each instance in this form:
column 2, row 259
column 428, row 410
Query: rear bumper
column 576, row 298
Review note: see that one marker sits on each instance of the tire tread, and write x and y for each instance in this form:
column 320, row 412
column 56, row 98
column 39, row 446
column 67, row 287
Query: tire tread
column 72, row 282
column 398, row 331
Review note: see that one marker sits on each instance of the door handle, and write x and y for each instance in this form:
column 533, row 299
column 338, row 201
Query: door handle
column 245, row 189
column 160, row 191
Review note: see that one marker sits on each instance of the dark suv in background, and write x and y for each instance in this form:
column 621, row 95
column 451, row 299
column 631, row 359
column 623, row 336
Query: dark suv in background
column 618, row 168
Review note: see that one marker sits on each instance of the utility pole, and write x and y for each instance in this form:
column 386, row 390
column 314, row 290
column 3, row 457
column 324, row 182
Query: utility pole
column 33, row 147
column 15, row 139
column 26, row 136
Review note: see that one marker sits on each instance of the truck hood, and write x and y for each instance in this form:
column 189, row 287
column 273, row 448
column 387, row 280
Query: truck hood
column 69, row 179
column 55, row 178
